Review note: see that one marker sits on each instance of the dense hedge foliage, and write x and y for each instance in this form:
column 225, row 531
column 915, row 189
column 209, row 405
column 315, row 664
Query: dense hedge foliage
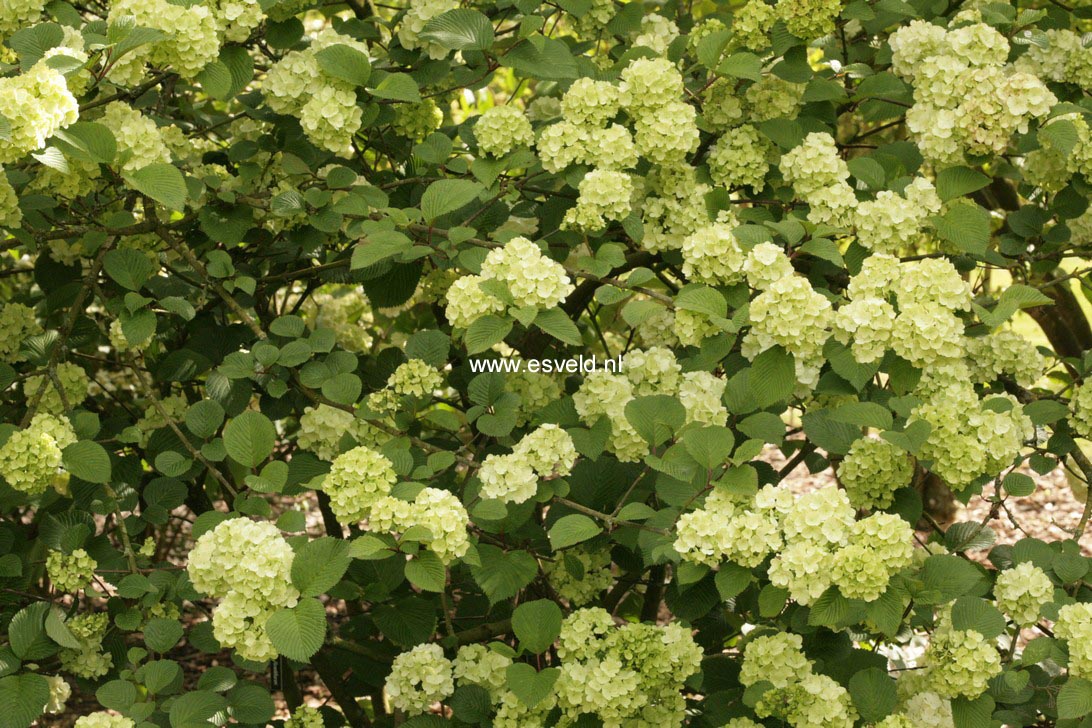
column 294, row 302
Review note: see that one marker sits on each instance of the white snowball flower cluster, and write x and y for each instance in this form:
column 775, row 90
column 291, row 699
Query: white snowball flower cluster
column 580, row 574
column 606, row 394
column 872, row 471
column 35, row 104
column 742, row 530
column 14, row 14
column 925, row 330
column 357, row 480
column 140, row 142
column 967, row 100
column 482, row 666
column 791, row 314
column 1065, row 59
column 88, row 660
column 772, row 97
column 191, row 42
column 326, row 106
column 879, row 546
column 11, row 217
column 701, row 394
column 532, row 279
column 1005, row 352
column 740, row 158
column 657, row 33
column 437, row 511
column 970, row 437
column 960, row 663
column 17, row 322
column 809, row 19
column 605, row 195
column 420, row 677
column 417, row 120
column 1080, row 410
column 417, row 16
column 1074, row 625
column 349, row 316
column 74, row 382
column 894, row 222
column 502, row 129
column 825, row 546
column 305, row 717
column 70, row 572
column 414, row 378
column 247, row 565
column 547, row 452
column 713, row 255
column 322, row 429
column 102, row 719
column 30, row 460
column 1022, row 591
column 818, row 174
column 673, row 207
column 766, row 264
column 798, row 696
column 59, row 693
column 624, row 674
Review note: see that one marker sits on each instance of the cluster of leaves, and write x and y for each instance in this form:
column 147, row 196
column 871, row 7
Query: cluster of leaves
column 214, row 299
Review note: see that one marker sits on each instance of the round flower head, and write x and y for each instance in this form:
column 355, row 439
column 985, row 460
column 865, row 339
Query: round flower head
column 1022, row 592
column 357, row 479
column 419, row 678
column 502, row 129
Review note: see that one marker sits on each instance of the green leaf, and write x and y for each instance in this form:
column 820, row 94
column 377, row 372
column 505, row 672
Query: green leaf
column 87, row 460
column 1045, row 411
column 873, row 693
column 407, row 622
column 27, row 635
column 709, row 446
column 425, row 571
column 529, row 686
column 911, row 438
column 87, row 141
column 225, row 77
column 1075, row 698
column 205, row 417
column 869, row 171
column 537, row 624
column 117, row 695
column 863, row 414
column 162, row 182
column 502, row 574
column 773, row 376
column 319, row 565
column 250, row 703
column 741, row 65
column 194, row 710
column 966, row 226
column 573, row 529
column 162, row 634
column 555, row 323
column 345, row 63
column 22, row 699
column 377, row 247
column 460, row 30
column 448, row 195
column 702, row 299
column 950, row 576
column 485, row 332
column 397, row 87
column 129, row 268
column 731, row 580
column 978, row 614
column 298, row 632
column 249, row 438
column 958, row 181
column 972, row 713
column 655, row 417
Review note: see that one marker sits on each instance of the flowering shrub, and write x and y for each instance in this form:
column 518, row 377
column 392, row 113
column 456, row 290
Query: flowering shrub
column 283, row 278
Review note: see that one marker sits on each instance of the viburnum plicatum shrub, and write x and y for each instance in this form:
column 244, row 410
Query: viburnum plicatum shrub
column 298, row 302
